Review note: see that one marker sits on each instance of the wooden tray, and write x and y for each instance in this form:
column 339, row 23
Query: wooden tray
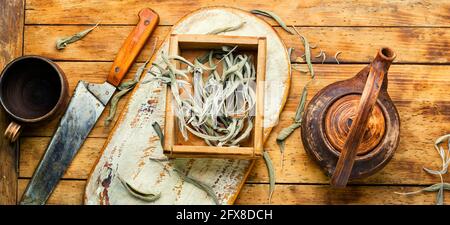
column 133, row 140
column 174, row 145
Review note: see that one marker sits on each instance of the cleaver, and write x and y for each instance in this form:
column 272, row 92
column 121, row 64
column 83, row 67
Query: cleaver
column 85, row 107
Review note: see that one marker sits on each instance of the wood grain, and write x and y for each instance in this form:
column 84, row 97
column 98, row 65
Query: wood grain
column 70, row 192
column 419, row 92
column 325, row 194
column 416, row 30
column 302, row 13
column 11, row 40
column 414, row 45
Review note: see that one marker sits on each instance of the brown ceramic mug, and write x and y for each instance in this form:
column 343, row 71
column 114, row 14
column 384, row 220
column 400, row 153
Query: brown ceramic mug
column 33, row 90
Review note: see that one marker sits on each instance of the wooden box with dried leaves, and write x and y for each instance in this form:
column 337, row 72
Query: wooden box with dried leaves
column 215, row 105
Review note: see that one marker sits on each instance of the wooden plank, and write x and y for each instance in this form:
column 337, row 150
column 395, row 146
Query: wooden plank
column 420, row 93
column 32, row 149
column 307, row 13
column 65, row 193
column 11, row 39
column 358, row 44
column 102, row 44
column 70, row 192
column 324, row 194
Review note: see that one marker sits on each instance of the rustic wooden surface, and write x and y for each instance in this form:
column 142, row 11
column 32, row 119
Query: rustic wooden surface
column 419, row 31
column 11, row 42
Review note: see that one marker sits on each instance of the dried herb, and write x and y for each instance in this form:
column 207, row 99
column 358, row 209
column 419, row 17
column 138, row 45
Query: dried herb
column 445, row 157
column 440, row 196
column 148, row 197
column 432, row 188
column 198, row 184
column 159, row 132
column 287, row 131
column 322, row 54
column 290, row 51
column 301, row 106
column 160, row 162
column 273, row 16
column 336, row 56
column 124, row 88
column 307, row 51
column 302, row 70
column 271, row 172
column 227, row 29
column 216, row 109
column 63, row 42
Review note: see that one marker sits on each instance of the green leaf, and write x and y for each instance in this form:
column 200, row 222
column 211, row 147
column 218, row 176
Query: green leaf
column 307, row 51
column 206, row 188
column 271, row 172
column 148, row 197
column 63, row 42
column 159, row 132
column 273, row 16
column 227, row 28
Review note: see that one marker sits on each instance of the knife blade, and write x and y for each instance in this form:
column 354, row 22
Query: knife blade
column 85, row 107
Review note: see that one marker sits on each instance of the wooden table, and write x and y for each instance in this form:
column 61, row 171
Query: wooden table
column 419, row 31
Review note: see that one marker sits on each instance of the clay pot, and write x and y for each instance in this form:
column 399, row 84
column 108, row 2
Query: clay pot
column 352, row 128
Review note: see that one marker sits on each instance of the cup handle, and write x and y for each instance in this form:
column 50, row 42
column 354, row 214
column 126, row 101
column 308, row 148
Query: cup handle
column 12, row 132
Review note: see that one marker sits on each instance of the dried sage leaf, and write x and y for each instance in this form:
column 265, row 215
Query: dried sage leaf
column 323, row 55
column 290, row 51
column 307, row 51
column 273, row 16
column 287, row 131
column 159, row 132
column 301, row 105
column 439, row 187
column 148, row 197
column 432, row 188
column 63, row 42
column 124, row 88
column 114, row 102
column 271, row 172
column 440, row 196
column 336, row 56
column 282, row 136
column 160, row 162
column 206, row 188
column 227, row 29
column 300, row 69
column 445, row 155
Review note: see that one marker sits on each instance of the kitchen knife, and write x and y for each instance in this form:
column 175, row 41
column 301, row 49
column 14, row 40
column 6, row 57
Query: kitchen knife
column 85, row 107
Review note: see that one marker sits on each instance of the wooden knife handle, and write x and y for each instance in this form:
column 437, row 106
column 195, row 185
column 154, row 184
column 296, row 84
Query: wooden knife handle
column 148, row 20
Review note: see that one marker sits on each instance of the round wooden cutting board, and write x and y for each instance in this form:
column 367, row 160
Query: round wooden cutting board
column 128, row 148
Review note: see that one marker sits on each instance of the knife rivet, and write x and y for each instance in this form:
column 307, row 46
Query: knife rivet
column 107, row 92
column 116, row 69
column 146, row 22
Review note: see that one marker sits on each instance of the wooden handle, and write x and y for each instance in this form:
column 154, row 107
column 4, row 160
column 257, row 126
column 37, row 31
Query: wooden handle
column 148, row 20
column 12, row 132
column 378, row 70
